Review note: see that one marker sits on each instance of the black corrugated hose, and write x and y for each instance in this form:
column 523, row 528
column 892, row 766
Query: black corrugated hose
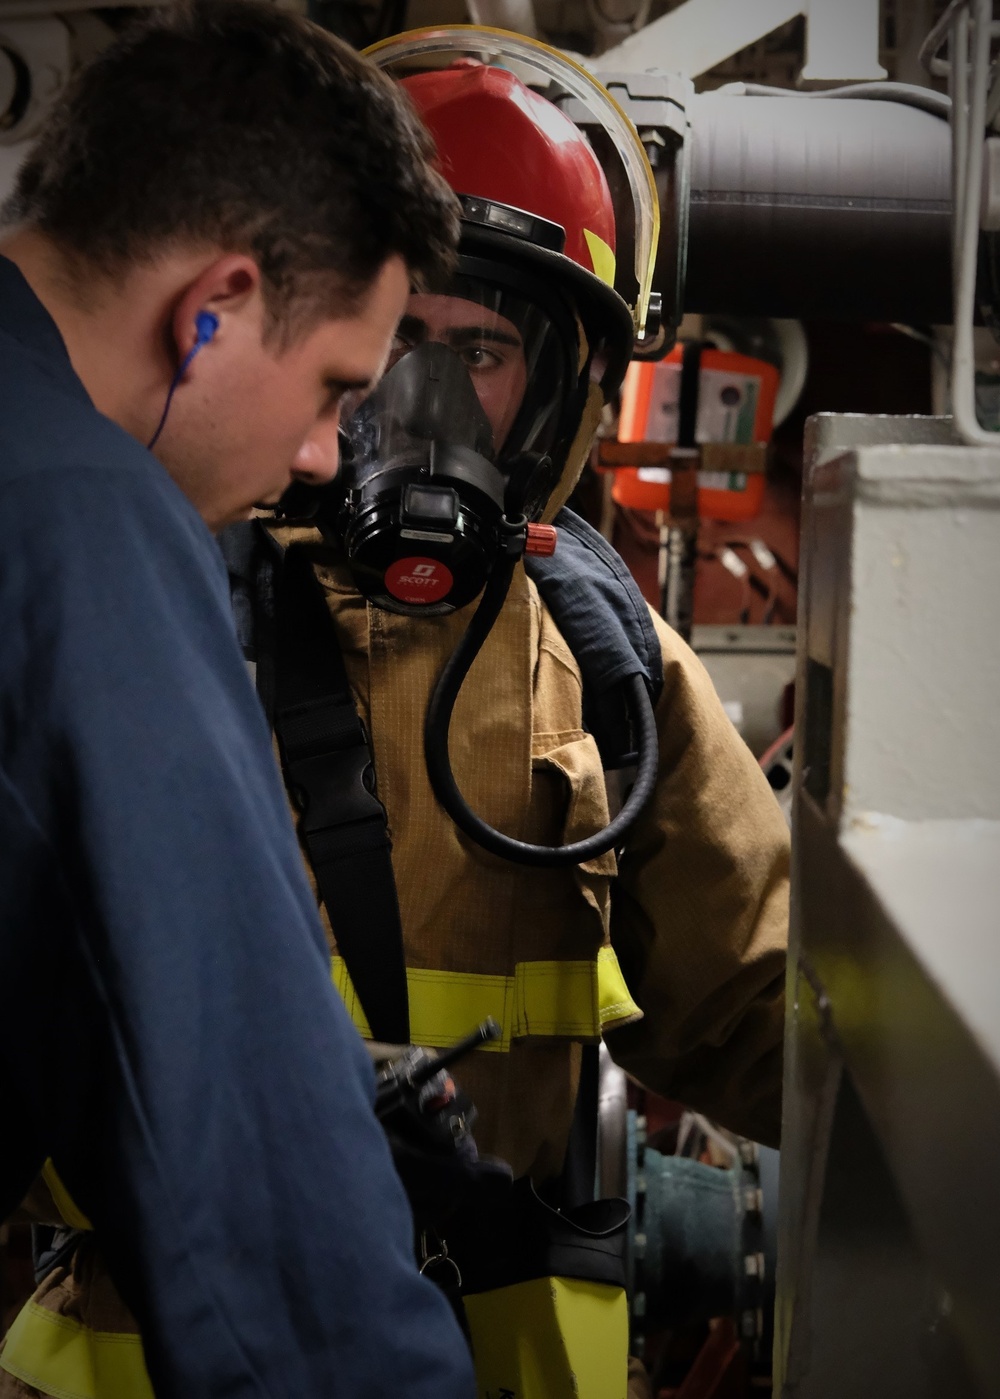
column 438, row 723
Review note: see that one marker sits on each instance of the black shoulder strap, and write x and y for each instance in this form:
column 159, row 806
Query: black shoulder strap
column 329, row 771
column 605, row 620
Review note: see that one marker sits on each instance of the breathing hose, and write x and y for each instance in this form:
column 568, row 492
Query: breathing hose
column 437, row 725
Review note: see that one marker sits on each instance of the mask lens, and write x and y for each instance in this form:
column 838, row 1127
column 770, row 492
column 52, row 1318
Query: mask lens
column 510, row 357
column 490, row 346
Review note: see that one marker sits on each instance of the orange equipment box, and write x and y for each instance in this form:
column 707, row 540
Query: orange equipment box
column 735, row 404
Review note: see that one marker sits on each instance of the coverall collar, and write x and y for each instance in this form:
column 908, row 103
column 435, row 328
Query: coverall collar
column 25, row 319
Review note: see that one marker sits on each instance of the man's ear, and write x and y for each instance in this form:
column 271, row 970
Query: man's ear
column 228, row 289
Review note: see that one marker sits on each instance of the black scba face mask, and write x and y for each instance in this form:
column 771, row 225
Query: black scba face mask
column 447, row 464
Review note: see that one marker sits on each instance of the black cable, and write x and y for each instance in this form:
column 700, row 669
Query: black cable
column 442, row 779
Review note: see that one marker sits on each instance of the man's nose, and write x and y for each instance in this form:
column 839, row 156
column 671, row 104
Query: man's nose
column 317, row 459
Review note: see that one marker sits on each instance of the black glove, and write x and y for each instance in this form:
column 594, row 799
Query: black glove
column 429, row 1127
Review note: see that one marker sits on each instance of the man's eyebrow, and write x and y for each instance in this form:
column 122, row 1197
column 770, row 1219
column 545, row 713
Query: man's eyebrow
column 474, row 334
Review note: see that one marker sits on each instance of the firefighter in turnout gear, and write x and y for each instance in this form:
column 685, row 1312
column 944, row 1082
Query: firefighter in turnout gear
column 667, row 941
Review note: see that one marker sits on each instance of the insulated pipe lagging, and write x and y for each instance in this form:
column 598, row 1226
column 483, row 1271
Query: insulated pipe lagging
column 818, row 208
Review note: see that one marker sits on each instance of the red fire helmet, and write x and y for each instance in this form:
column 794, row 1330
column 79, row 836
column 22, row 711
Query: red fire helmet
column 500, row 141
column 529, row 178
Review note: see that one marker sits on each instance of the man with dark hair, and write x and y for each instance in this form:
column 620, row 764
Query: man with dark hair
column 214, row 240
column 240, row 126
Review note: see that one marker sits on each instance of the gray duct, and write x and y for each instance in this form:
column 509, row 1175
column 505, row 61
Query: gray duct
column 817, row 207
column 826, row 206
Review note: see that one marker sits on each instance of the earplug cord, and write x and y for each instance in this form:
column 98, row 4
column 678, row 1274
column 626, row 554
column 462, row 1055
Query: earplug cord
column 206, row 324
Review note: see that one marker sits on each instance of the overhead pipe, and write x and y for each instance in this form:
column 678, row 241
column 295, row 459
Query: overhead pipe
column 798, row 205
column 818, row 208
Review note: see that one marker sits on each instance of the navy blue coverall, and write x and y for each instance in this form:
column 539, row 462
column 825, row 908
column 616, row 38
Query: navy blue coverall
column 169, row 1033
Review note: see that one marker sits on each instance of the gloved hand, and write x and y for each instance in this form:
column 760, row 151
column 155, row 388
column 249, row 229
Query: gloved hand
column 430, row 1133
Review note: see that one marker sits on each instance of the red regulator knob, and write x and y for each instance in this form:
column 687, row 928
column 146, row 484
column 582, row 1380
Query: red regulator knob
column 541, row 540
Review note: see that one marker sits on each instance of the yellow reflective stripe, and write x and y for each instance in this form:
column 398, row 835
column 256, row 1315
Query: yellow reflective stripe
column 571, row 999
column 615, row 1004
column 63, row 1200
column 601, row 256
column 550, row 1336
column 556, row 998
column 66, row 1359
column 444, row 1006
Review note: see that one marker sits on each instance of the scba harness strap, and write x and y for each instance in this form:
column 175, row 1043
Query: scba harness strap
column 330, row 774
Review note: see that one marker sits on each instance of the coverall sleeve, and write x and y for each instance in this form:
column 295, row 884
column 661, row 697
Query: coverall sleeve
column 700, row 915
column 185, row 1058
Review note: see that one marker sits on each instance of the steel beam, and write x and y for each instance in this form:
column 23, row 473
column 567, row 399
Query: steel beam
column 841, row 37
